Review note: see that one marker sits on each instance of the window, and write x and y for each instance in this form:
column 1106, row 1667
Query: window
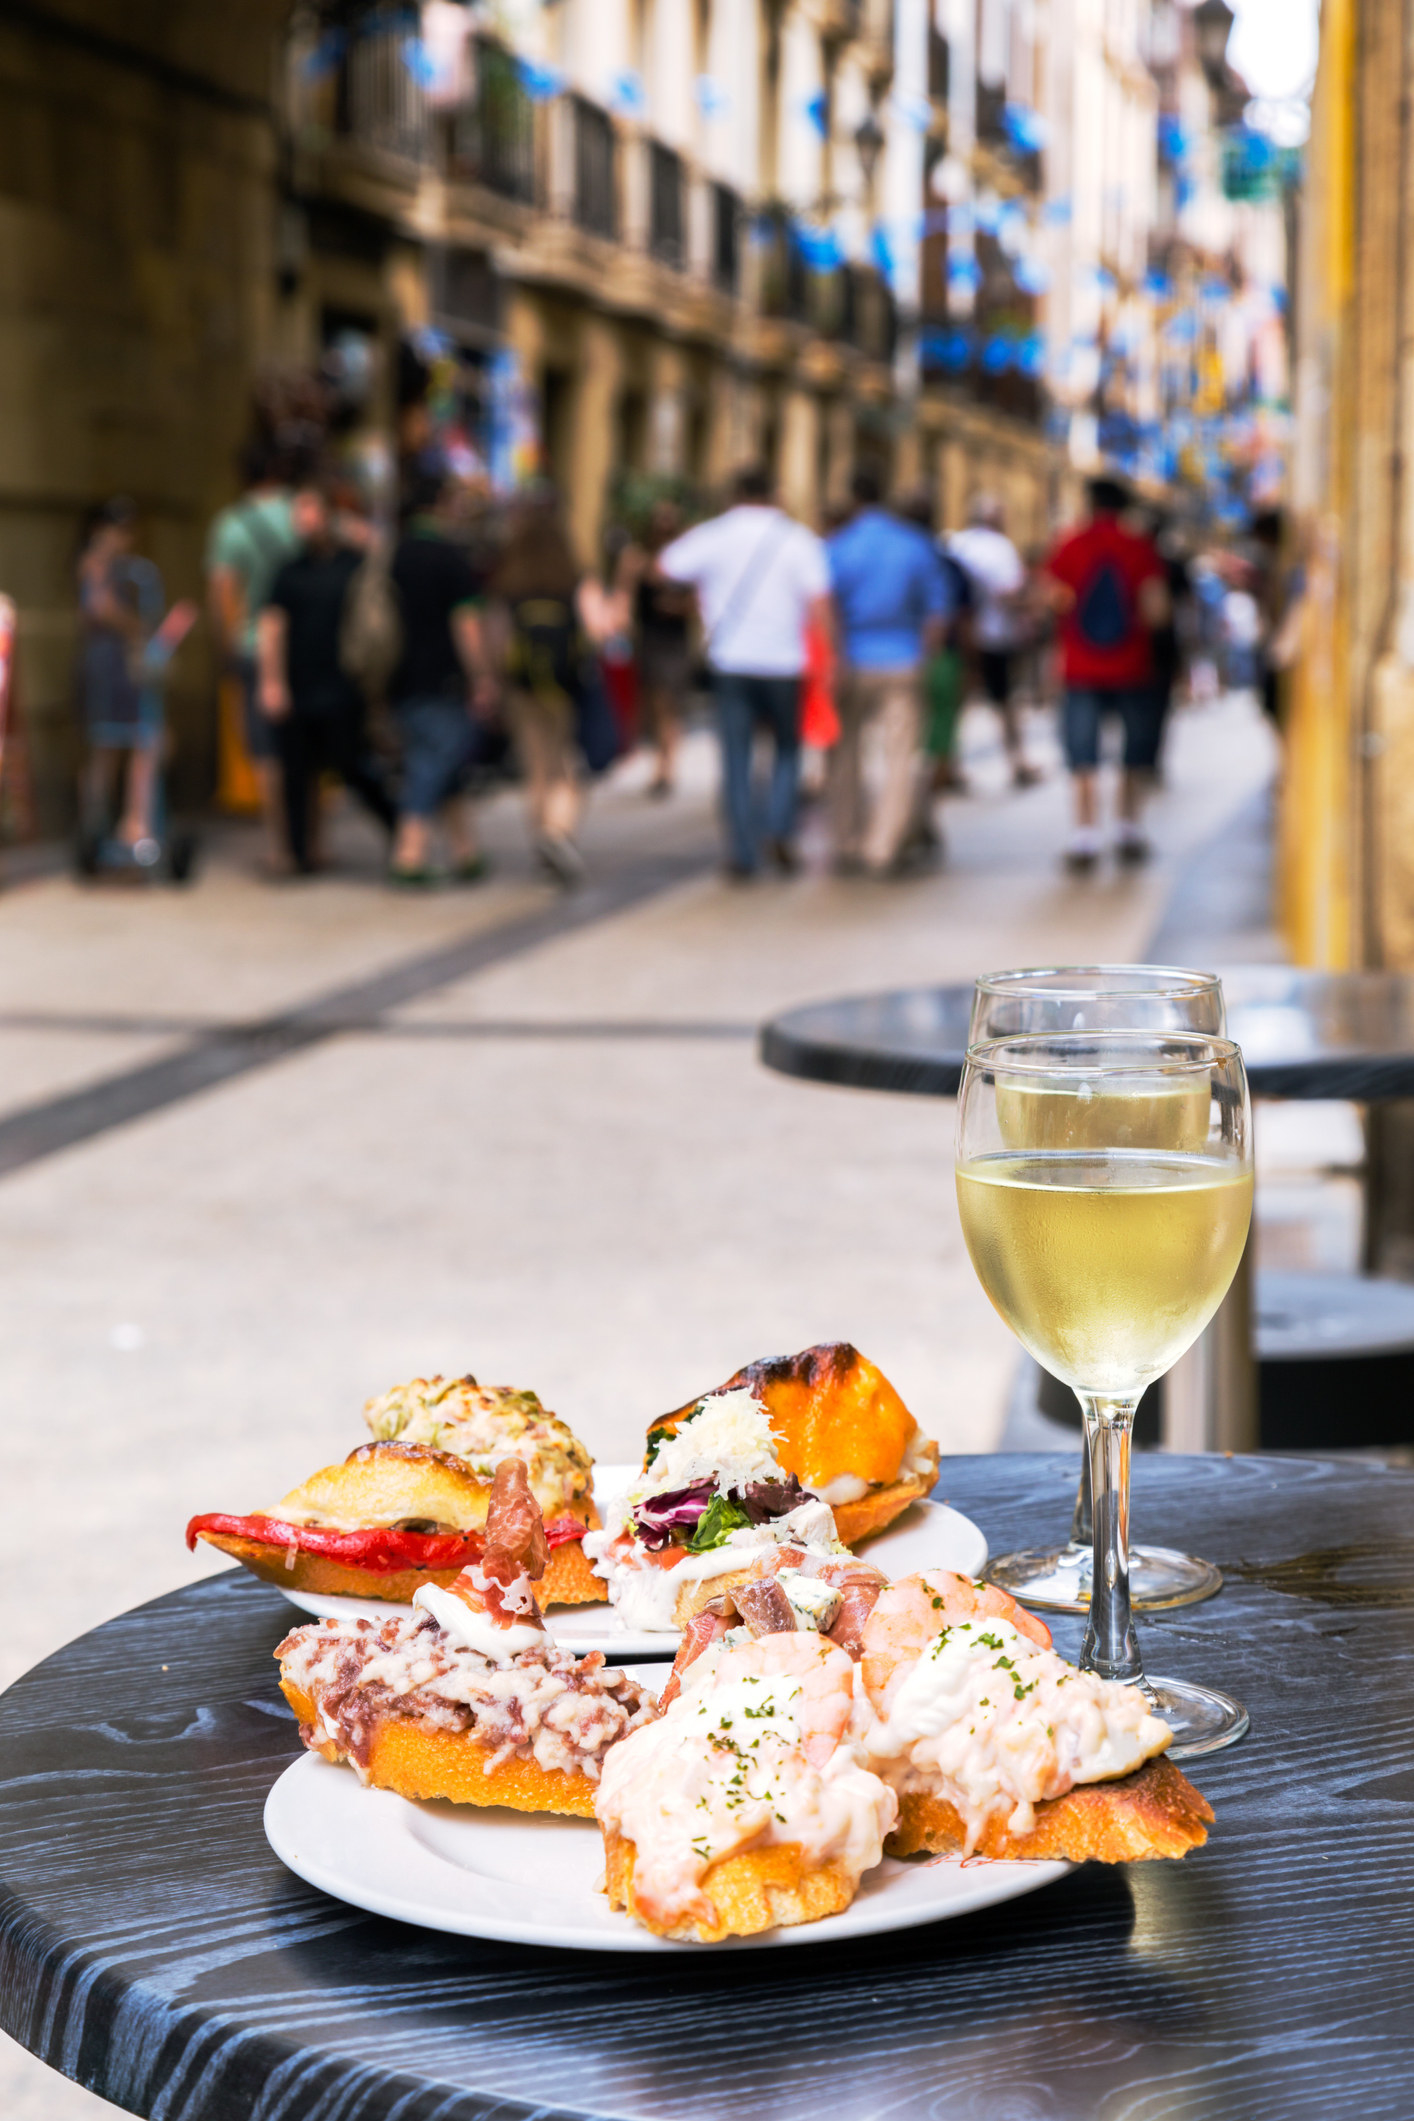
column 493, row 133
column 596, row 205
column 726, row 239
column 665, row 205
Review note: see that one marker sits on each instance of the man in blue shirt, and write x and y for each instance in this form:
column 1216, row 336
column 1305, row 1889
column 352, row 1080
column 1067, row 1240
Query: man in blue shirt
column 892, row 602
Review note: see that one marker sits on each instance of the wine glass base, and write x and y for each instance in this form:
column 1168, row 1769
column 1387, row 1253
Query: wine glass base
column 1202, row 1719
column 1057, row 1579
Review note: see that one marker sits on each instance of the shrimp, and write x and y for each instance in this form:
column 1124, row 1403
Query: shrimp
column 911, row 1612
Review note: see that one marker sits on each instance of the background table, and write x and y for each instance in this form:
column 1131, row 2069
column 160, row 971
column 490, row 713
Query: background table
column 1304, row 1035
column 152, row 1947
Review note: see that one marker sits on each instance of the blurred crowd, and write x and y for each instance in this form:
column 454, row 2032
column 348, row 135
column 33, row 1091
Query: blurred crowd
column 420, row 663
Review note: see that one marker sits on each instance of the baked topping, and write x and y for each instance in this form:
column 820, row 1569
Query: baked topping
column 980, row 1714
column 754, row 1752
column 547, row 1705
column 484, row 1424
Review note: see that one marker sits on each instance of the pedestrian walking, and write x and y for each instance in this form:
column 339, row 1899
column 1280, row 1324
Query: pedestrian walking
column 127, row 637
column 316, row 709
column 1110, row 592
column 439, row 689
column 891, row 608
column 536, row 586
column 997, row 574
column 662, row 624
column 760, row 579
column 248, row 544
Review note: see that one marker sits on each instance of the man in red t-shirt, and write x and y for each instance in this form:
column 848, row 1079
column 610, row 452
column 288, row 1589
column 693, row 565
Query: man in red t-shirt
column 1109, row 587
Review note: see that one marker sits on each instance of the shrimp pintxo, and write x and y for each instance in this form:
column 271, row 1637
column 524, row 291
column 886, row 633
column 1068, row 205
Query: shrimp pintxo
column 995, row 1744
column 746, row 1806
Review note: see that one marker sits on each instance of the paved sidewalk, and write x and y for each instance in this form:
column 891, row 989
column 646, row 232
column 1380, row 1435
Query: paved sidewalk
column 530, row 1138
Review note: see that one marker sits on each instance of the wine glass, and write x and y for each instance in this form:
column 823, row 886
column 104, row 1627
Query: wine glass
column 1099, row 998
column 1104, row 1179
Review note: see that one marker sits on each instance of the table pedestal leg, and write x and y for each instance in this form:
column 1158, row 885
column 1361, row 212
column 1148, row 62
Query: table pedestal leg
column 1210, row 1394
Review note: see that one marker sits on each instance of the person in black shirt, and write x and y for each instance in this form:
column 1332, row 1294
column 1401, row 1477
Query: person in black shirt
column 317, row 711
column 662, row 613
column 435, row 689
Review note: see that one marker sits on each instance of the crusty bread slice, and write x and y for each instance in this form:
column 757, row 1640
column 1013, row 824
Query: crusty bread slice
column 392, row 1483
column 1154, row 1812
column 756, row 1889
column 568, row 1580
column 415, row 1760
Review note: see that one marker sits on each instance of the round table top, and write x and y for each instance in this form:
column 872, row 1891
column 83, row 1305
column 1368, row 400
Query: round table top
column 1303, row 1035
column 152, row 1947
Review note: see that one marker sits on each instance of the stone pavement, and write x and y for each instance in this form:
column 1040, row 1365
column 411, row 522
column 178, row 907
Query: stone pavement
column 266, row 1150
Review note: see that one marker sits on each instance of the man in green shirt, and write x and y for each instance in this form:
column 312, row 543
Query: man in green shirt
column 248, row 544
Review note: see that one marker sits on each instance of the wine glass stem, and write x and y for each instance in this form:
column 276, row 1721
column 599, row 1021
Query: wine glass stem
column 1082, row 1525
column 1111, row 1645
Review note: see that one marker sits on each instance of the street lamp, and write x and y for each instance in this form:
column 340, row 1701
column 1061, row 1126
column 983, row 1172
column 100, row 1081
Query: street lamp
column 1212, row 25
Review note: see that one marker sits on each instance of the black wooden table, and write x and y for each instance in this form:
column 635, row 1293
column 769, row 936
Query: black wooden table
column 153, row 1948
column 1303, row 1035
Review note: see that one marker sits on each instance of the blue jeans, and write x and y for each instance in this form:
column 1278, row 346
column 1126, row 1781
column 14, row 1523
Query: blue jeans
column 439, row 744
column 743, row 703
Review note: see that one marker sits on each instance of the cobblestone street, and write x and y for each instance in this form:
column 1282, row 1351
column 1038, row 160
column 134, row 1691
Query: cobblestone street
column 529, row 1136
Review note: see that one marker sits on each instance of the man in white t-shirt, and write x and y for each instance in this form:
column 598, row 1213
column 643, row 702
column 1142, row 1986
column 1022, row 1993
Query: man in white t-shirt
column 761, row 579
column 996, row 574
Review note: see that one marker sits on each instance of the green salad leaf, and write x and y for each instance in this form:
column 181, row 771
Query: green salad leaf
column 721, row 1517
column 656, row 1440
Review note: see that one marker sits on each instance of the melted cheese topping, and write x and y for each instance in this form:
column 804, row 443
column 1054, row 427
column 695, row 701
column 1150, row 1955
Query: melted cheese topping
column 485, row 1424
column 992, row 1723
column 755, row 1751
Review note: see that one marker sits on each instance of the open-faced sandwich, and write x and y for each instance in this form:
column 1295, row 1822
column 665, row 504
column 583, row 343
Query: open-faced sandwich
column 713, row 1500
column 410, row 1508
column 839, row 1427
column 756, row 1799
column 746, row 1806
column 466, row 1697
column 995, row 1744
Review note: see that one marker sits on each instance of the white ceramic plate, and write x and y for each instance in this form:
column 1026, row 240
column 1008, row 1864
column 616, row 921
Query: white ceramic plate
column 531, row 1879
column 928, row 1535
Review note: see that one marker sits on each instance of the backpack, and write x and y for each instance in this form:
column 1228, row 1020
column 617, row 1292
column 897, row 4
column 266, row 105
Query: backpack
column 371, row 628
column 1104, row 610
column 545, row 649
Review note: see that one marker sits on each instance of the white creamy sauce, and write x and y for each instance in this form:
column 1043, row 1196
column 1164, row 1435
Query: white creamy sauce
column 845, row 1487
column 471, row 1630
column 992, row 1722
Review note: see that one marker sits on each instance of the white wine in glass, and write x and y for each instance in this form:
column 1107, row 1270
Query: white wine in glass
column 1036, row 1115
column 1107, row 1260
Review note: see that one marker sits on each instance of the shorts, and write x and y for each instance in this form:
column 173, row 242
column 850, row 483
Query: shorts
column 439, row 742
column 664, row 664
column 258, row 728
column 1141, row 716
column 994, row 669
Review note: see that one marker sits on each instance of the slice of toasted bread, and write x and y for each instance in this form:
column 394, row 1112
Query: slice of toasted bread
column 388, row 1484
column 753, row 1890
column 568, row 1580
column 416, row 1760
column 1154, row 1812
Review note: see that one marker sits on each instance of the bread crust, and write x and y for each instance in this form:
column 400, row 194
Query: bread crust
column 1154, row 1812
column 568, row 1578
column 756, row 1889
column 414, row 1760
